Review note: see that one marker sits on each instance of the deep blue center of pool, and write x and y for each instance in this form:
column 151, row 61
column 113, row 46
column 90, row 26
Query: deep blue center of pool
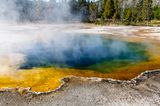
column 80, row 51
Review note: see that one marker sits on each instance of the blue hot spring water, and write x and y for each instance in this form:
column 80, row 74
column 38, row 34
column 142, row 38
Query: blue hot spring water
column 78, row 51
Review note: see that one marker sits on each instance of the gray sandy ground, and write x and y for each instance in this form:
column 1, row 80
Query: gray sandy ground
column 143, row 91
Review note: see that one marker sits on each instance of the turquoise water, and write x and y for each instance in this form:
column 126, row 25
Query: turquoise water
column 83, row 52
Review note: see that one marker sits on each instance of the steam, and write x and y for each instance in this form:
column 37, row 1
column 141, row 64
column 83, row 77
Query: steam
column 14, row 36
column 52, row 11
column 40, row 45
column 73, row 50
column 33, row 45
column 8, row 11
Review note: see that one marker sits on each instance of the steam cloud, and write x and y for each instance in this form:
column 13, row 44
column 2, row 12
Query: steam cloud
column 8, row 11
column 34, row 45
column 28, row 46
column 15, row 11
column 73, row 51
column 14, row 35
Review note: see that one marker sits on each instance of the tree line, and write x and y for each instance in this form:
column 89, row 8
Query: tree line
column 103, row 11
column 142, row 11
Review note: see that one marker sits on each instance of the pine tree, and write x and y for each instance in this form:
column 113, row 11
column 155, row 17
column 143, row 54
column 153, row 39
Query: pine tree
column 127, row 15
column 92, row 12
column 73, row 6
column 147, row 10
column 139, row 9
column 116, row 10
column 103, row 4
column 156, row 12
column 109, row 9
column 134, row 14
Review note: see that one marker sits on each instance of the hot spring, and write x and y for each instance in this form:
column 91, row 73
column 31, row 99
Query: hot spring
column 83, row 51
column 40, row 60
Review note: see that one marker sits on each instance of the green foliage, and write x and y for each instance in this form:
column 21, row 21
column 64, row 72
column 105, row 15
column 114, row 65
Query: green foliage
column 139, row 9
column 156, row 13
column 127, row 15
column 108, row 9
column 92, row 12
column 116, row 8
column 146, row 10
column 134, row 15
